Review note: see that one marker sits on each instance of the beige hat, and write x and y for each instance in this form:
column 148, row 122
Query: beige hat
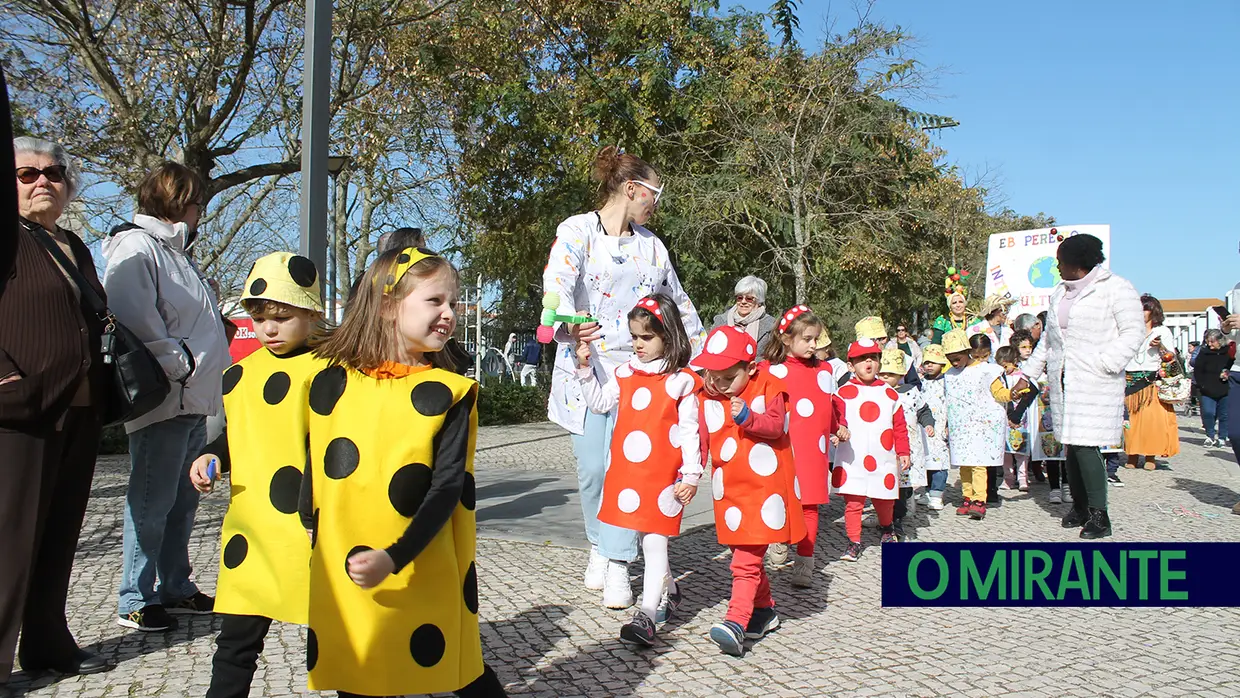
column 871, row 328
column 893, row 362
column 824, row 340
column 995, row 302
column 955, row 341
column 934, row 354
column 285, row 278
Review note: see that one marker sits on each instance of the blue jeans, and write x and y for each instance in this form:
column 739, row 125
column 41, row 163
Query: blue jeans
column 159, row 512
column 1113, row 462
column 937, row 480
column 593, row 451
column 1211, row 410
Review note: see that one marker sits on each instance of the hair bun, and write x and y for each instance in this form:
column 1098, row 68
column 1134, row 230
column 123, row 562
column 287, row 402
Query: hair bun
column 605, row 164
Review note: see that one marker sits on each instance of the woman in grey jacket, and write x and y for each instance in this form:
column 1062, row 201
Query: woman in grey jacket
column 158, row 292
column 749, row 312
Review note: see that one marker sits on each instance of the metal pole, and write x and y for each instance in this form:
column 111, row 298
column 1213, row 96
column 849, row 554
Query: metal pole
column 335, row 250
column 315, row 134
column 478, row 332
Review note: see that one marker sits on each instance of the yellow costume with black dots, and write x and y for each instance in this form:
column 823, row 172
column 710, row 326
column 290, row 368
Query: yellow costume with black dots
column 263, row 566
column 381, row 450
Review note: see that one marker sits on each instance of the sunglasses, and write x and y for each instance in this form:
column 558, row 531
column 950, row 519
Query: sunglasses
column 658, row 191
column 30, row 175
column 746, row 299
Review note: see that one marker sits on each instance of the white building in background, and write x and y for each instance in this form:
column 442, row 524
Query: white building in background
column 1189, row 318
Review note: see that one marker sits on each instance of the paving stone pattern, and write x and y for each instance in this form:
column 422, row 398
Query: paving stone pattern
column 547, row 636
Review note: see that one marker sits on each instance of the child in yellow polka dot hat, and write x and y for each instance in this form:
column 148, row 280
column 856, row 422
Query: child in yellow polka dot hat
column 393, row 585
column 263, row 569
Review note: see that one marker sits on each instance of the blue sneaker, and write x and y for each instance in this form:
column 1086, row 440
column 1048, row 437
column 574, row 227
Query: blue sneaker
column 730, row 637
column 763, row 621
column 672, row 598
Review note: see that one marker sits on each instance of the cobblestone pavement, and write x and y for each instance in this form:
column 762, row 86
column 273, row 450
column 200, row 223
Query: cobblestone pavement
column 547, row 636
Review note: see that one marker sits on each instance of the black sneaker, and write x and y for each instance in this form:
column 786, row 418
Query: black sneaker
column 197, row 605
column 763, row 621
column 852, row 553
column 730, row 637
column 1113, row 478
column 639, row 631
column 148, row 619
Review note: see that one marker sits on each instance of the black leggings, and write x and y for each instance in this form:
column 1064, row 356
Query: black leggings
column 485, row 686
column 1052, row 473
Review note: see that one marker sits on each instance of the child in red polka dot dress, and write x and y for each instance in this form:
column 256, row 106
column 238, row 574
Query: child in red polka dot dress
column 870, row 462
column 754, row 479
column 656, row 454
column 816, row 421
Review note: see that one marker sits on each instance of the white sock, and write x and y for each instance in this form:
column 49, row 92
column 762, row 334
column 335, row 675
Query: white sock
column 654, row 551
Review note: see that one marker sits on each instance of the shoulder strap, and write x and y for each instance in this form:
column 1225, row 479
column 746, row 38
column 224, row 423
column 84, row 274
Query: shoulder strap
column 97, row 306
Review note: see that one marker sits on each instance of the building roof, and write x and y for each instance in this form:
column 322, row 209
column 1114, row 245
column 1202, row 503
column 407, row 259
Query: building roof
column 1190, row 305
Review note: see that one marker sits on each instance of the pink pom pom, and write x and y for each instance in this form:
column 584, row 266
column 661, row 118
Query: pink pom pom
column 545, row 334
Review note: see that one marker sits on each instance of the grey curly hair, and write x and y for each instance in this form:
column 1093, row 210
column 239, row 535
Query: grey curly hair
column 38, row 146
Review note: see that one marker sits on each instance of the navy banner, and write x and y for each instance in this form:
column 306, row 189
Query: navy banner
column 1061, row 574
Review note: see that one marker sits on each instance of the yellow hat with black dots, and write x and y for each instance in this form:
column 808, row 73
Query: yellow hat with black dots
column 284, row 277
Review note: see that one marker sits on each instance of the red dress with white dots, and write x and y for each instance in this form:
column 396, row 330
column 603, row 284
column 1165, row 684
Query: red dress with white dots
column 866, row 464
column 754, row 483
column 646, row 456
column 815, row 413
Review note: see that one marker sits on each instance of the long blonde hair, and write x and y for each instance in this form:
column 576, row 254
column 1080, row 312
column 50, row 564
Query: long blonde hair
column 366, row 337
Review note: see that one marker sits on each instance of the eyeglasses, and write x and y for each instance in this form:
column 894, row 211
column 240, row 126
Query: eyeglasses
column 901, row 329
column 30, row 175
column 658, row 191
column 746, row 299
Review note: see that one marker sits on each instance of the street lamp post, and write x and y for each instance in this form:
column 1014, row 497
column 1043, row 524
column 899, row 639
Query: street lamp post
column 315, row 118
column 335, row 164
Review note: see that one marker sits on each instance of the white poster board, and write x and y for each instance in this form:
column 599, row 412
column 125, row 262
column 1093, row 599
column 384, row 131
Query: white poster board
column 1022, row 263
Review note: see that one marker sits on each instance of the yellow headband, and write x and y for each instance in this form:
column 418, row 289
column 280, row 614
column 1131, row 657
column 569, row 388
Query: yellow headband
column 407, row 258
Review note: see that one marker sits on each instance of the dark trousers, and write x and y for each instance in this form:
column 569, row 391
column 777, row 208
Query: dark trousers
column 900, row 509
column 44, row 487
column 1086, row 473
column 994, row 475
column 1233, row 408
column 236, row 655
column 485, row 686
column 1053, row 468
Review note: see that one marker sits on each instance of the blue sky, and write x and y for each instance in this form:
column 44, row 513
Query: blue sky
column 1125, row 113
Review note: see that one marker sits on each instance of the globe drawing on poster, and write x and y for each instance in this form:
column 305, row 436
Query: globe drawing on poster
column 1022, row 264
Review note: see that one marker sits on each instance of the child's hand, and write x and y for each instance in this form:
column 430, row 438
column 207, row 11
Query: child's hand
column 1022, row 387
column 684, row 493
column 905, row 463
column 737, row 405
column 198, row 472
column 370, row 567
column 842, row 434
column 930, row 431
column 1013, row 425
column 583, row 354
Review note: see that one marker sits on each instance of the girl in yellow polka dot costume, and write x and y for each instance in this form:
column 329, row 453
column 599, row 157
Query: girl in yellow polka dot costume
column 393, row 587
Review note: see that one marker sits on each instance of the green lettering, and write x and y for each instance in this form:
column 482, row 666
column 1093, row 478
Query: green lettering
column 944, row 575
column 1072, row 562
column 1143, row 579
column 1038, row 577
column 1166, row 575
column 970, row 576
column 1015, row 575
column 1118, row 584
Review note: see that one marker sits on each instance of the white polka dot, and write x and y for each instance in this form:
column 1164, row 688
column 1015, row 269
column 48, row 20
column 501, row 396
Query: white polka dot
column 774, row 513
column 717, row 344
column 673, row 436
column 779, row 371
column 716, row 483
column 822, row 443
column 826, row 382
column 803, row 308
column 796, row 487
column 805, row 407
column 748, row 350
column 641, row 398
column 678, row 385
column 787, row 421
column 762, row 459
column 629, row 501
column 790, row 316
column 866, row 342
column 732, row 518
column 668, row 504
column 727, row 450
column 636, row 447
column 714, row 415
column 624, row 371
column 759, row 405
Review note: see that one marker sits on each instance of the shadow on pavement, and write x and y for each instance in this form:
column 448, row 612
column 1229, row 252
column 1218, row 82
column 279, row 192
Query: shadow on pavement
column 510, row 488
column 524, row 506
column 1208, row 492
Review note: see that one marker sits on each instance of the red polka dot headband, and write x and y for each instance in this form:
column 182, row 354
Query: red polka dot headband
column 790, row 315
column 652, row 305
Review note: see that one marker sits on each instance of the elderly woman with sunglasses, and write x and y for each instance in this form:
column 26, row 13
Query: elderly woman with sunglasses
column 749, row 312
column 50, row 373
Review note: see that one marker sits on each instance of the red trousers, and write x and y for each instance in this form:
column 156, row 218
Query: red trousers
column 854, row 504
column 751, row 588
column 806, row 547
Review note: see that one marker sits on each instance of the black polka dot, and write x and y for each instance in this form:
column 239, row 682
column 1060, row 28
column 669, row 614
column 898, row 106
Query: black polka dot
column 469, row 492
column 403, row 258
column 340, row 459
column 426, row 645
column 409, row 487
column 276, row 387
column 312, row 649
column 356, row 549
column 235, row 551
column 302, row 270
column 258, row 287
column 470, row 589
column 432, row 398
column 314, row 530
column 427, row 252
column 231, row 377
column 286, row 489
column 326, row 388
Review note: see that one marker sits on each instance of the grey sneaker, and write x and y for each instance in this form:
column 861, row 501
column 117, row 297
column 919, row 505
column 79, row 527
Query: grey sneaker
column 640, row 631
column 777, row 554
column 669, row 604
column 730, row 637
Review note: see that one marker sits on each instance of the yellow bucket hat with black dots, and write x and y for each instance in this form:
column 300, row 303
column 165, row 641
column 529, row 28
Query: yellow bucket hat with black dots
column 284, row 277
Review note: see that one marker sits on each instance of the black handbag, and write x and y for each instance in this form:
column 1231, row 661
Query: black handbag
column 137, row 383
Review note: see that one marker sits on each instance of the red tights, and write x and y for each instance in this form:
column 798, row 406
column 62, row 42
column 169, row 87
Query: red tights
column 806, row 547
column 751, row 587
column 854, row 504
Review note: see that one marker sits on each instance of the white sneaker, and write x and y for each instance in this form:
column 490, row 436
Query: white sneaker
column 1067, row 495
column 1056, row 497
column 802, row 572
column 594, row 570
column 1004, row 486
column 923, row 499
column 777, row 554
column 1210, row 443
column 936, row 503
column 870, row 521
column 617, row 590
